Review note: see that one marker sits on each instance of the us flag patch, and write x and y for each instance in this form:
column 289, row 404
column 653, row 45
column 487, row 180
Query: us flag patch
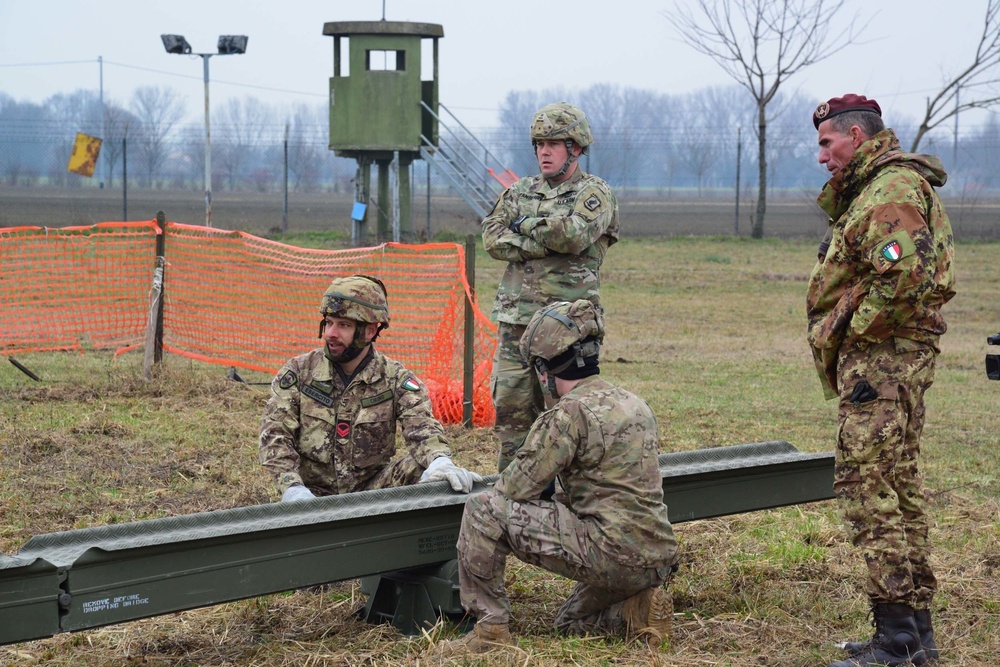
column 411, row 384
column 891, row 251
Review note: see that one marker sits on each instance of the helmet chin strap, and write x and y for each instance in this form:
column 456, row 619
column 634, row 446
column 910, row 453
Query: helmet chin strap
column 549, row 386
column 570, row 160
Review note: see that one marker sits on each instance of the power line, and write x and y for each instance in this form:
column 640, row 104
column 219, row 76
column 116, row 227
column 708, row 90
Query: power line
column 58, row 62
column 166, row 73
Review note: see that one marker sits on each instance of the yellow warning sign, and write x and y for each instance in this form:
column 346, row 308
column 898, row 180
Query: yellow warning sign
column 83, row 159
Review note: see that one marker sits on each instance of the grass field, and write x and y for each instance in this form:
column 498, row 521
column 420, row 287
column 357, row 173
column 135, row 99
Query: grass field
column 709, row 330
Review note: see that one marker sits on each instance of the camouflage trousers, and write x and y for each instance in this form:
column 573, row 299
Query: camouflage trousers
column 876, row 479
column 517, row 396
column 547, row 534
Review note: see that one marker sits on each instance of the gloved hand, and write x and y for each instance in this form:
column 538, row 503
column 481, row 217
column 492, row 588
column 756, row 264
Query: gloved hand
column 296, row 493
column 516, row 225
column 459, row 478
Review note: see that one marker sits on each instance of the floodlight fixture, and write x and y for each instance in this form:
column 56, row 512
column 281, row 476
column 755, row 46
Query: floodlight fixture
column 229, row 45
column 232, row 44
column 175, row 44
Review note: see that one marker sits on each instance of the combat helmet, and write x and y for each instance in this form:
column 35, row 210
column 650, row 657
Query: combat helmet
column 359, row 298
column 564, row 339
column 561, row 120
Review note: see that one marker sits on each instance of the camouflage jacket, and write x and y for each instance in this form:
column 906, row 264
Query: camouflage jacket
column 334, row 439
column 558, row 252
column 601, row 442
column 888, row 268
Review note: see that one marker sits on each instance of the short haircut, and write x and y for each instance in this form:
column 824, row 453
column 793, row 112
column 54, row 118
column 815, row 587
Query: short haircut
column 869, row 122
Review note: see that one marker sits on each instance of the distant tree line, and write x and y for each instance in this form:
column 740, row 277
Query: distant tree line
column 248, row 142
column 646, row 143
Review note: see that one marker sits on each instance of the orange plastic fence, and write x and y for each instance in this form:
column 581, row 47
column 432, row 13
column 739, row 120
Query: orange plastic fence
column 235, row 299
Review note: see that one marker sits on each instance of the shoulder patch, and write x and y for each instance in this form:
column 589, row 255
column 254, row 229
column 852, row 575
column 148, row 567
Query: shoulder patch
column 593, row 203
column 288, row 380
column 891, row 250
column 411, row 384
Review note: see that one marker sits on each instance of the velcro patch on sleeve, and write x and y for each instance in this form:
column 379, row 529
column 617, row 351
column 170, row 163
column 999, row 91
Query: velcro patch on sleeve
column 369, row 401
column 593, row 203
column 288, row 380
column 411, row 384
column 889, row 251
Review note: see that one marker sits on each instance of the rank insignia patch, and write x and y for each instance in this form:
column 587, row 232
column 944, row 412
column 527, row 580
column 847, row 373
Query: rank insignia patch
column 592, row 203
column 287, row 380
column 411, row 384
column 891, row 251
column 343, row 430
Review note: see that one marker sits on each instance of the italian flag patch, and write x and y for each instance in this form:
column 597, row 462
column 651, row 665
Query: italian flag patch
column 891, row 251
column 411, row 384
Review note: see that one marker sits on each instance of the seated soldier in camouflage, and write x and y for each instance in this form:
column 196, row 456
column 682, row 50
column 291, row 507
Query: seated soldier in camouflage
column 605, row 527
column 330, row 424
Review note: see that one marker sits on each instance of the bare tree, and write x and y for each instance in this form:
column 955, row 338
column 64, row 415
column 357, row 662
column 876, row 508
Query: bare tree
column 699, row 144
column 307, row 127
column 980, row 73
column 79, row 111
column 244, row 122
column 23, row 131
column 118, row 119
column 761, row 44
column 157, row 109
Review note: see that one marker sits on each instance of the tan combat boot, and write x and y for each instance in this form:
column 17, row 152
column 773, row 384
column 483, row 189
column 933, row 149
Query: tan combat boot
column 649, row 614
column 484, row 636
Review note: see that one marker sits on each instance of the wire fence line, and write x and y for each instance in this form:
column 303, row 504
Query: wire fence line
column 668, row 181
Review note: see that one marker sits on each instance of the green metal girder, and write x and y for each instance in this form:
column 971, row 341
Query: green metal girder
column 29, row 599
column 87, row 578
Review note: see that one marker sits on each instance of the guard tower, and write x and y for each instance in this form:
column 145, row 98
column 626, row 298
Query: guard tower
column 379, row 109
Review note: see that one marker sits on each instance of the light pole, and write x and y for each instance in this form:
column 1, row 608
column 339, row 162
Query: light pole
column 228, row 45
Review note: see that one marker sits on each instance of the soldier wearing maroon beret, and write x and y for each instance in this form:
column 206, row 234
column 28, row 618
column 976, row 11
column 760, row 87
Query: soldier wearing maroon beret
column 847, row 103
column 874, row 307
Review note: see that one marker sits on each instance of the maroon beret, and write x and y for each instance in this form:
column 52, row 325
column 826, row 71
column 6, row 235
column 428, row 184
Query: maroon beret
column 838, row 105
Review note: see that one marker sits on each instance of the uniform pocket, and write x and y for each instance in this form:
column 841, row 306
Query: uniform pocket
column 867, row 427
column 316, row 430
column 373, row 436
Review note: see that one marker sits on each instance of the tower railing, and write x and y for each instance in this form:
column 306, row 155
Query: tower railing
column 465, row 162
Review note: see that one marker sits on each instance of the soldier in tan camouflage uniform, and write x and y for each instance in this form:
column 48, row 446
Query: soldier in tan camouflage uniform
column 553, row 231
column 330, row 424
column 605, row 527
column 874, row 309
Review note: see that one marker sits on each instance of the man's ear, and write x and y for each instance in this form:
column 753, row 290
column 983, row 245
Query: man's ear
column 857, row 136
column 370, row 330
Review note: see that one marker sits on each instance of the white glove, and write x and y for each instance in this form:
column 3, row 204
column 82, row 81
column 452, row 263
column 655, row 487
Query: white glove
column 296, row 493
column 442, row 468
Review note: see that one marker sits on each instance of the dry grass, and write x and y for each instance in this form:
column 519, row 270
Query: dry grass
column 709, row 331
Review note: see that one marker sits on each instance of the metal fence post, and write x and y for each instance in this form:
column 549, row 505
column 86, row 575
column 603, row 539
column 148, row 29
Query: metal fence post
column 154, row 325
column 469, row 357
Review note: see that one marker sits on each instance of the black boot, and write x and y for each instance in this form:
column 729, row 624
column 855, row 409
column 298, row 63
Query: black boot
column 924, row 628
column 896, row 640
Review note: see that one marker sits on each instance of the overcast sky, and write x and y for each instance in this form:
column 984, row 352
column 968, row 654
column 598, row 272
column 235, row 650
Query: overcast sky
column 489, row 49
